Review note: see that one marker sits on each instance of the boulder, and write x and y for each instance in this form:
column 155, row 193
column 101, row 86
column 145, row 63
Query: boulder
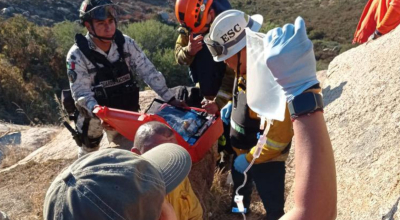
column 7, row 11
column 16, row 145
column 164, row 16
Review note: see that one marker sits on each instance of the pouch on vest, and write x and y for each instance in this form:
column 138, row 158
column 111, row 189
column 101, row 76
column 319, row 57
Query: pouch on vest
column 125, row 99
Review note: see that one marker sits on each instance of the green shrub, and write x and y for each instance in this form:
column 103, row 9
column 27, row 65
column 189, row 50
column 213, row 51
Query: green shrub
column 158, row 42
column 173, row 72
column 25, row 102
column 32, row 71
column 64, row 34
column 151, row 35
column 31, row 48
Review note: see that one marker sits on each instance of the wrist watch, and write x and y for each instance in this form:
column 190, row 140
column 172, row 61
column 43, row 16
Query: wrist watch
column 305, row 103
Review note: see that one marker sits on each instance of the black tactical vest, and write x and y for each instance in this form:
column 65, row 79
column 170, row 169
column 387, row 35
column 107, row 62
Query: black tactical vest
column 115, row 86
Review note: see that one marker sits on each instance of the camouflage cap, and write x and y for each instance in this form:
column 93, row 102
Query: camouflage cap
column 117, row 184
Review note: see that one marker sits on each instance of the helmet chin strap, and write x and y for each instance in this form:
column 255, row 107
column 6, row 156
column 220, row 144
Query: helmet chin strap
column 99, row 37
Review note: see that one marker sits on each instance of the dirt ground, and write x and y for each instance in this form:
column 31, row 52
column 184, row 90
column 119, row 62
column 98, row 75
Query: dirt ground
column 22, row 190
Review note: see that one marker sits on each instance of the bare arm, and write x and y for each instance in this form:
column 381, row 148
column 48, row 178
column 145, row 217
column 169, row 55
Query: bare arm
column 315, row 179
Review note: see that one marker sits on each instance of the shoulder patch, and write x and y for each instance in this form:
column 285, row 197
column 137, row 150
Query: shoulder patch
column 71, row 75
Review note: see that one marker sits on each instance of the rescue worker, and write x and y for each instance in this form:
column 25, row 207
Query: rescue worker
column 227, row 42
column 195, row 18
column 378, row 18
column 101, row 68
column 182, row 198
column 215, row 79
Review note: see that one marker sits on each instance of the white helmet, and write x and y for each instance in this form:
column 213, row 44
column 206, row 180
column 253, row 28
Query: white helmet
column 227, row 33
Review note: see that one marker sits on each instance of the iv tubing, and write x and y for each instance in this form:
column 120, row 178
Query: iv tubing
column 257, row 153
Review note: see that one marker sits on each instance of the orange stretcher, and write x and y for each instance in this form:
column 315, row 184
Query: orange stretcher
column 128, row 122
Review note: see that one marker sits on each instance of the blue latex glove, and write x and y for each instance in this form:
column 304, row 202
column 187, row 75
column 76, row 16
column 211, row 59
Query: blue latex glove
column 241, row 163
column 290, row 57
column 226, row 113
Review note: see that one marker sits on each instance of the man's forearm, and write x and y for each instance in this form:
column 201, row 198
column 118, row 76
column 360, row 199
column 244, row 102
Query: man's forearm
column 315, row 179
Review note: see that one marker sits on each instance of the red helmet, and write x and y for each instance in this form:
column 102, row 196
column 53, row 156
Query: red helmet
column 193, row 13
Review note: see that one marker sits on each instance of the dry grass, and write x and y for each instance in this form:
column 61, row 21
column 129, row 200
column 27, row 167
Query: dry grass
column 220, row 200
column 23, row 188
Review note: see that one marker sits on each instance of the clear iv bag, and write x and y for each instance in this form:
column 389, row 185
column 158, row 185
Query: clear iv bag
column 264, row 95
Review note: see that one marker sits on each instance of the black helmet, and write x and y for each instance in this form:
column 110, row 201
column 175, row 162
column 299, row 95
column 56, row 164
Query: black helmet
column 97, row 9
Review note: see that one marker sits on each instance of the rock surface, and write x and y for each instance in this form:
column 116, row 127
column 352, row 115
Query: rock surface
column 17, row 144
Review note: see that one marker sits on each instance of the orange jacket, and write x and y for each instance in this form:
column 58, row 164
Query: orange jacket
column 381, row 15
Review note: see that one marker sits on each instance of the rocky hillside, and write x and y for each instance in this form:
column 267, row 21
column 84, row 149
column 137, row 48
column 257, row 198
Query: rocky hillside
column 48, row 12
